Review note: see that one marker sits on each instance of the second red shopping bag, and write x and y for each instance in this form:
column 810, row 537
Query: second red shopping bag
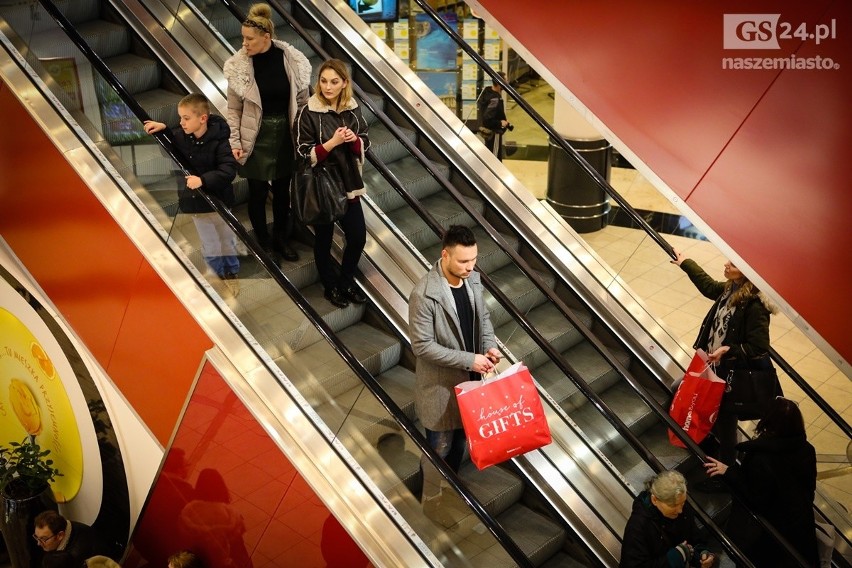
column 696, row 402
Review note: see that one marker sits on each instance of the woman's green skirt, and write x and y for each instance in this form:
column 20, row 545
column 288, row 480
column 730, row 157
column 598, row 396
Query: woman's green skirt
column 273, row 154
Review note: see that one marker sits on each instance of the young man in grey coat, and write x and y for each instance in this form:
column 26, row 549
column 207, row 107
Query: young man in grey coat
column 453, row 340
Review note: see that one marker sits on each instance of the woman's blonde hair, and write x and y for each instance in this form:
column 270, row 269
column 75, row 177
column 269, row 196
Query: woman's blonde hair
column 342, row 71
column 260, row 18
column 742, row 294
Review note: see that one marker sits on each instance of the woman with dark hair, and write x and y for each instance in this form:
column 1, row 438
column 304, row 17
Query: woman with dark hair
column 777, row 478
column 330, row 129
column 735, row 335
column 268, row 81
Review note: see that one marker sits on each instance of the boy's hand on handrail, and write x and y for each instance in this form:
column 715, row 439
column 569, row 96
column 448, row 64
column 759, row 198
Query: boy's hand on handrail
column 152, row 126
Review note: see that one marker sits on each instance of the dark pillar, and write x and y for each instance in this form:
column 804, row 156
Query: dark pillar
column 572, row 192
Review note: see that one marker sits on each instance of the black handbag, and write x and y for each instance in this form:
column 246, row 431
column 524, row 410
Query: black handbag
column 318, row 195
column 749, row 392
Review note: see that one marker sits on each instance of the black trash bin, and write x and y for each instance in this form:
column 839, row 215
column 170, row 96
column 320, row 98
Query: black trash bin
column 572, row 192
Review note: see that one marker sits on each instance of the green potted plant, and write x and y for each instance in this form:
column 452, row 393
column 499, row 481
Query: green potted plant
column 25, row 477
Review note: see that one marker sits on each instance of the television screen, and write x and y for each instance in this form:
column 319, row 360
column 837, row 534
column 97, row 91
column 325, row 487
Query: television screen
column 376, row 10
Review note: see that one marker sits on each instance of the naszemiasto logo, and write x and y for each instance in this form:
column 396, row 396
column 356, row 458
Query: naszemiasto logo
column 766, row 32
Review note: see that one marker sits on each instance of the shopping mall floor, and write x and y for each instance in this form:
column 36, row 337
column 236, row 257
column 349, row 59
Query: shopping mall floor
column 671, row 297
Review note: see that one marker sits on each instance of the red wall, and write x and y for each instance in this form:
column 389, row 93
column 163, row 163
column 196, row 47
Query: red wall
column 150, row 346
column 126, row 316
column 229, row 494
column 759, row 155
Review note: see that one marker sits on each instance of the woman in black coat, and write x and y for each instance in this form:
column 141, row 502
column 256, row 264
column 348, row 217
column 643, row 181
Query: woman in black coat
column 735, row 335
column 777, row 478
column 331, row 130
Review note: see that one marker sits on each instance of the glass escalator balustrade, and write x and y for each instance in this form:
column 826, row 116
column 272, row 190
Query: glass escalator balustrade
column 337, row 394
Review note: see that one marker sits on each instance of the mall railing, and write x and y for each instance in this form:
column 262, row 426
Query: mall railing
column 604, row 186
column 557, row 357
column 271, row 267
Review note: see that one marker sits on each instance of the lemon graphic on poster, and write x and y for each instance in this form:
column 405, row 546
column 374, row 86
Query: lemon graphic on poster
column 25, row 407
column 33, row 402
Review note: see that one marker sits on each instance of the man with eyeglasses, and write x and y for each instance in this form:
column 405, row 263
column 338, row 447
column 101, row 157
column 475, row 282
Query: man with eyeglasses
column 58, row 536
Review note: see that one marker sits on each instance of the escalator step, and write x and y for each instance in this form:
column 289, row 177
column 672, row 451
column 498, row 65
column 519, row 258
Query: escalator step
column 589, row 364
column 377, row 350
column 622, row 400
column 539, row 537
column 28, row 18
column 136, row 73
column 385, row 145
column 105, row 38
column 161, row 105
column 518, row 288
column 495, row 487
column 551, row 325
column 411, row 175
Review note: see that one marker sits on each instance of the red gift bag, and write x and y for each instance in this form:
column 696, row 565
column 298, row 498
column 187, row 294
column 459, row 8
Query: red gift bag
column 696, row 402
column 502, row 417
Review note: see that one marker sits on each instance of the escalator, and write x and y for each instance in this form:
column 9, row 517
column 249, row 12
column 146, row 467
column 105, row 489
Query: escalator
column 330, row 386
column 618, row 394
column 380, row 345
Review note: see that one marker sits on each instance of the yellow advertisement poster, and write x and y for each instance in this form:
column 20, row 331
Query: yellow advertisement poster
column 64, row 72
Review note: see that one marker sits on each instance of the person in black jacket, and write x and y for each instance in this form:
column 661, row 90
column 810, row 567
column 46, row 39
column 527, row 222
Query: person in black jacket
column 777, row 477
column 203, row 139
column 735, row 335
column 492, row 117
column 65, row 542
column 331, row 130
column 661, row 530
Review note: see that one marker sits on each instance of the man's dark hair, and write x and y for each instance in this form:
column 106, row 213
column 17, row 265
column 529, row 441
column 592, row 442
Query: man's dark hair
column 458, row 235
column 495, row 83
column 52, row 520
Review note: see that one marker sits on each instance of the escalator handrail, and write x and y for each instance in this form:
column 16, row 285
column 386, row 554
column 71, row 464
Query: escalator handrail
column 810, row 392
column 509, row 545
column 272, row 268
column 603, row 185
column 555, row 137
column 611, row 417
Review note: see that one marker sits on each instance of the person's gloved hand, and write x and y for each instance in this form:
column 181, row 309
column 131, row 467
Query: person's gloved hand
column 680, row 555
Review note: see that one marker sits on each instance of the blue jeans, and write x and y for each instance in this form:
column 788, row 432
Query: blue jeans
column 450, row 446
column 218, row 243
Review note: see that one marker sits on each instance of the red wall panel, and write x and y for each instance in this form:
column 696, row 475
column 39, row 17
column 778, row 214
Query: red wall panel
column 99, row 281
column 756, row 153
column 229, row 494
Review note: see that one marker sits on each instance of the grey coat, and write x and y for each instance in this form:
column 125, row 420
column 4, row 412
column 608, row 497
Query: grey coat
column 436, row 340
column 244, row 108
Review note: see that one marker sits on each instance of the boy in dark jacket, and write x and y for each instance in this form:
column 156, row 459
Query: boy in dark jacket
column 203, row 139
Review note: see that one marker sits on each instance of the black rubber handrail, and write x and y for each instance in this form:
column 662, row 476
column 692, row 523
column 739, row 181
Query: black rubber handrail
column 295, row 295
column 507, row 304
column 237, row 226
column 603, row 185
column 608, row 413
column 809, row 391
column 555, row 137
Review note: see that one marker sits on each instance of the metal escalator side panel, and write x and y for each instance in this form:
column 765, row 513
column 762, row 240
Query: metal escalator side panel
column 306, row 444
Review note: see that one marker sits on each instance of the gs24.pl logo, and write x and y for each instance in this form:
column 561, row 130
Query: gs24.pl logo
column 762, row 31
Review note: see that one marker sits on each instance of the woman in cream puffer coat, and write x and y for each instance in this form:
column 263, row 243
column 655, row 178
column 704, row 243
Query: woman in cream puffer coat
column 268, row 81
